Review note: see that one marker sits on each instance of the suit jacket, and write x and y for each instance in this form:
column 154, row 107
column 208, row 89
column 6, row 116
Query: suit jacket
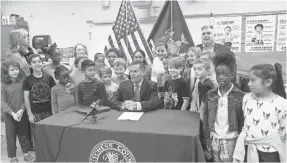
column 217, row 47
column 148, row 91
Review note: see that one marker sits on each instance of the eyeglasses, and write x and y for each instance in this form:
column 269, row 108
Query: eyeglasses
column 206, row 33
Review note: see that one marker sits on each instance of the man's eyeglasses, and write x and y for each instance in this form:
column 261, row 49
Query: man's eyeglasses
column 206, row 33
column 160, row 51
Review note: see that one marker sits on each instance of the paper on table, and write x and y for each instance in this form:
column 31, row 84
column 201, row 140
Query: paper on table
column 133, row 116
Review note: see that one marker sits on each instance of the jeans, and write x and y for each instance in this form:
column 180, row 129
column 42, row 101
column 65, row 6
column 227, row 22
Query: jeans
column 16, row 129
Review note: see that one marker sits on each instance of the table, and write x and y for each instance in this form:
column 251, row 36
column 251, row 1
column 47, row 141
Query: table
column 159, row 136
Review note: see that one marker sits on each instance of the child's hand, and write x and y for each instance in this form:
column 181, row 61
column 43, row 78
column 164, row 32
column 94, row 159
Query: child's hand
column 15, row 116
column 20, row 113
column 32, row 118
column 193, row 109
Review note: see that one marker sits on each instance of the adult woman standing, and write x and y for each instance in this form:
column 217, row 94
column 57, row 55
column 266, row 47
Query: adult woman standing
column 80, row 50
column 19, row 50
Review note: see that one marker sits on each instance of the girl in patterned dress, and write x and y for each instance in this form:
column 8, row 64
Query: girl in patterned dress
column 265, row 114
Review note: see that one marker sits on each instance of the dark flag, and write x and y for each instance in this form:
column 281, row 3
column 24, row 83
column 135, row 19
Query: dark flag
column 171, row 28
column 126, row 33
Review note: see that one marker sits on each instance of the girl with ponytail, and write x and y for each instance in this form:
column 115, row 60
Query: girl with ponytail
column 265, row 116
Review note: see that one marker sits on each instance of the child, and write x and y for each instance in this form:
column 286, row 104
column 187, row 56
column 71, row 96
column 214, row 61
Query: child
column 157, row 65
column 258, row 36
column 78, row 75
column 64, row 93
column 176, row 89
column 99, row 60
column 161, row 78
column 222, row 111
column 265, row 116
column 90, row 89
column 37, row 91
column 106, row 76
column 212, row 75
column 140, row 55
column 188, row 74
column 56, row 58
column 120, row 66
column 201, row 72
column 12, row 104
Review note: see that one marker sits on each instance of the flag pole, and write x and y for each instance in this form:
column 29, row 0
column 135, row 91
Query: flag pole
column 171, row 23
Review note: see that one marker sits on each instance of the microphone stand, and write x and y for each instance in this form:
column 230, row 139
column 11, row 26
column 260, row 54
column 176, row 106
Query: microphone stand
column 95, row 110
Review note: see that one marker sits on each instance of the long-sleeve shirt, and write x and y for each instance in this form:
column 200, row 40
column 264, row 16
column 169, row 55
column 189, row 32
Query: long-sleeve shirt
column 91, row 91
column 12, row 97
column 63, row 97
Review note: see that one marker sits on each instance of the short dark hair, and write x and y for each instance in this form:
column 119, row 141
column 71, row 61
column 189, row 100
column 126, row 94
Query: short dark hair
column 98, row 55
column 87, row 63
column 60, row 69
column 141, row 65
column 115, row 50
column 33, row 56
column 77, row 60
column 258, row 25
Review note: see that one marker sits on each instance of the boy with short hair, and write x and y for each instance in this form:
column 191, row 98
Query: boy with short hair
column 120, row 66
column 106, row 76
column 201, row 71
column 176, row 89
column 37, row 91
column 90, row 89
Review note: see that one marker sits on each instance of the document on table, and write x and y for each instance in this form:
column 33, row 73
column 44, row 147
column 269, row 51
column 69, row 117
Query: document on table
column 133, row 116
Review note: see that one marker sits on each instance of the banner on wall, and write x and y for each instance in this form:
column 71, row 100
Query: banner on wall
column 281, row 33
column 260, row 33
column 228, row 32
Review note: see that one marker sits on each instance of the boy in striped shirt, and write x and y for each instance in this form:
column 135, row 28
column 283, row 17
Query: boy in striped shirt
column 90, row 89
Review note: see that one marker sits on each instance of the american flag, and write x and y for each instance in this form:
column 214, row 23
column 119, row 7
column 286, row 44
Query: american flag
column 126, row 34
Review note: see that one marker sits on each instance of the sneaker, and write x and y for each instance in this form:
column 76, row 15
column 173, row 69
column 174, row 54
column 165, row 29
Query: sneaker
column 14, row 160
column 29, row 158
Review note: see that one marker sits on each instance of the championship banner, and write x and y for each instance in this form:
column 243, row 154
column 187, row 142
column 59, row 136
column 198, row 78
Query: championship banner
column 281, row 33
column 228, row 32
column 260, row 33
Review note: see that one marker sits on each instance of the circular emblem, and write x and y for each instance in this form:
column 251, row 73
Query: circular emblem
column 111, row 151
column 41, row 91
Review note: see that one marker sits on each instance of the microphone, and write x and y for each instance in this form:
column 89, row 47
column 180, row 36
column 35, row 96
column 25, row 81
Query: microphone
column 96, row 110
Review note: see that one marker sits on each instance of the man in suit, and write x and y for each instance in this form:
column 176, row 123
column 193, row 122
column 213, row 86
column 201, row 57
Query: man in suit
column 137, row 94
column 208, row 44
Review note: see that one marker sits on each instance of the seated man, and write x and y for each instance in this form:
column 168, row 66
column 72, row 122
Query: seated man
column 137, row 94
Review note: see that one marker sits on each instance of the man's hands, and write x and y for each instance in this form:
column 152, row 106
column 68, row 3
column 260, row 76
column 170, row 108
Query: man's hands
column 129, row 105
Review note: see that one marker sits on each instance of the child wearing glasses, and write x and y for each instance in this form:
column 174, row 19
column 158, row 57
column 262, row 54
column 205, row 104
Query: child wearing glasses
column 222, row 111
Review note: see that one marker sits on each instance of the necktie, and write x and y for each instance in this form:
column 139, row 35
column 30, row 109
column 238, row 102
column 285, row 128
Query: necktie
column 137, row 97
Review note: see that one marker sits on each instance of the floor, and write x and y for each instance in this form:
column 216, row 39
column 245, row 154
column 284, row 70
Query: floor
column 4, row 156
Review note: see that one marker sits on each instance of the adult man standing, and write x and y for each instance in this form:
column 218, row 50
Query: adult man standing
column 208, row 44
column 137, row 94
